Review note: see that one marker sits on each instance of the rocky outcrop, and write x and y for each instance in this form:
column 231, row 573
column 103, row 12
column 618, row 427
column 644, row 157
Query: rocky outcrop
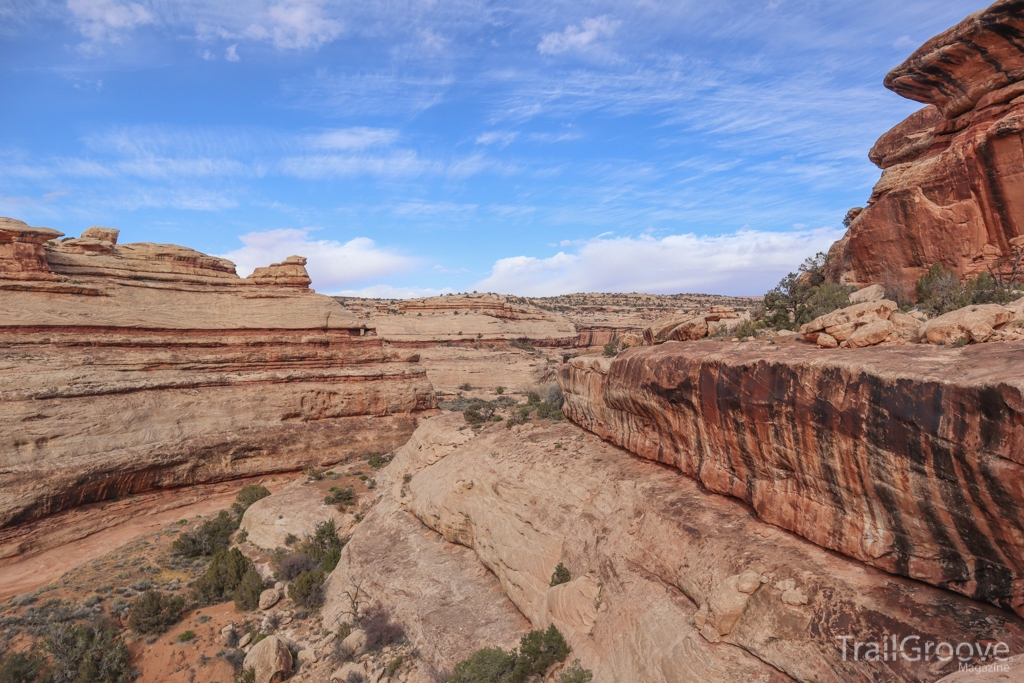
column 908, row 458
column 295, row 510
column 134, row 367
column 689, row 327
column 668, row 581
column 950, row 190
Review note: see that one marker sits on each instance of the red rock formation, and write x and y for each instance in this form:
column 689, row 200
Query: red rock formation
column 22, row 256
column 952, row 187
column 143, row 366
column 910, row 459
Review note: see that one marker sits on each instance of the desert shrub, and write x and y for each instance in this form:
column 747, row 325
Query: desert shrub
column 313, row 474
column 378, row 460
column 247, row 593
column 307, row 589
column 344, row 631
column 341, row 497
column 212, row 536
column 245, row 675
column 291, row 539
column 499, row 390
column 380, row 629
column 561, row 575
column 222, row 577
column 186, row 636
column 576, row 674
column 532, row 398
column 395, row 664
column 87, row 653
column 479, row 412
column 802, row 296
column 292, row 565
column 519, row 417
column 538, row 650
column 324, row 546
column 549, row 411
column 747, row 328
column 941, row 291
column 22, row 667
column 523, row 344
column 488, row 665
column 247, row 496
column 355, row 677
column 466, row 387
column 155, row 612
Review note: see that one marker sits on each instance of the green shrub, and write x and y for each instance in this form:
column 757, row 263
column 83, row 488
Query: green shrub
column 247, row 593
column 523, row 344
column 538, row 651
column 561, row 575
column 499, row 390
column 287, row 567
column 466, row 387
column 802, row 296
column 245, row 675
column 247, row 496
column 549, row 411
column 611, row 349
column 376, row 460
column 211, row 537
column 576, row 674
column 344, row 631
column 22, row 667
column 87, row 653
column 307, row 589
column 341, row 497
column 313, row 474
column 155, row 612
column 324, row 546
column 222, row 577
column 489, row 665
column 395, row 664
column 941, row 291
column 186, row 636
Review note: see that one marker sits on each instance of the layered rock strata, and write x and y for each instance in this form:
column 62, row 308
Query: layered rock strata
column 951, row 190
column 132, row 367
column 909, row 458
column 668, row 581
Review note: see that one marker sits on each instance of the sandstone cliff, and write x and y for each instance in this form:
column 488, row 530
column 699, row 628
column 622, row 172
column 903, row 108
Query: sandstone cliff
column 140, row 366
column 669, row 582
column 907, row 458
column 951, row 188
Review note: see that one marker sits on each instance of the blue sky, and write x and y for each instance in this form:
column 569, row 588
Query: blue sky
column 408, row 147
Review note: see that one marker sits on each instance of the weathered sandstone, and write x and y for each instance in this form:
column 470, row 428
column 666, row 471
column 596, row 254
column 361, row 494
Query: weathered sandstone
column 908, row 458
column 951, row 187
column 297, row 509
column 132, row 367
column 669, row 582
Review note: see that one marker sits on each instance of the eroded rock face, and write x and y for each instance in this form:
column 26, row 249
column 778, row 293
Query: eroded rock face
column 910, row 459
column 951, row 188
column 133, row 367
column 669, row 582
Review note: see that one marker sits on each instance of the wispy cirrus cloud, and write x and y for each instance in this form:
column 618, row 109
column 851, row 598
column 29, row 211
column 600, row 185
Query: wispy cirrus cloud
column 578, row 38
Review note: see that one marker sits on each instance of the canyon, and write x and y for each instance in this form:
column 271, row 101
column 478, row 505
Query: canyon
column 683, row 495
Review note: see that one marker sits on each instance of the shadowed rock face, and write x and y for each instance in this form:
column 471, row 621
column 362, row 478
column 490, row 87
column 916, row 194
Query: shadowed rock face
column 952, row 187
column 125, row 368
column 911, row 460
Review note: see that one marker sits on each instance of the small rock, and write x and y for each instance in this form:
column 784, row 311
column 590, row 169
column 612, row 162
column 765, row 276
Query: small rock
column 279, row 586
column 246, row 639
column 269, row 598
column 355, row 642
column 308, row 656
column 343, row 673
column 827, row 341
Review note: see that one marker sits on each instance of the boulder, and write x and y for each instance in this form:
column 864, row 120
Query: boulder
column 270, row 659
column 269, row 598
column 677, row 328
column 969, row 324
column 871, row 334
column 858, row 314
column 295, row 509
column 347, row 670
column 907, row 326
column 355, row 642
column 827, row 341
column 872, row 293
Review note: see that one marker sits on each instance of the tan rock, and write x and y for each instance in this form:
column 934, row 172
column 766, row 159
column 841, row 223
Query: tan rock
column 971, row 323
column 871, row 334
column 342, row 674
column 907, row 327
column 841, row 332
column 269, row 598
column 355, row 642
column 859, row 314
column 245, row 640
column 676, row 328
column 296, row 509
column 826, row 341
column 271, row 659
column 871, row 293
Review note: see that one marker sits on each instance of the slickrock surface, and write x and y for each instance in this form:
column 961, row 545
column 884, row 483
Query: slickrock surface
column 951, row 187
column 125, row 368
column 669, row 582
column 908, row 458
column 448, row 601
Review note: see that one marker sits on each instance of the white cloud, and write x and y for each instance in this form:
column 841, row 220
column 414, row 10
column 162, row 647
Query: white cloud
column 231, row 53
column 741, row 263
column 389, row 292
column 331, row 264
column 578, row 37
column 106, row 19
column 358, row 137
column 502, row 138
column 296, row 24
